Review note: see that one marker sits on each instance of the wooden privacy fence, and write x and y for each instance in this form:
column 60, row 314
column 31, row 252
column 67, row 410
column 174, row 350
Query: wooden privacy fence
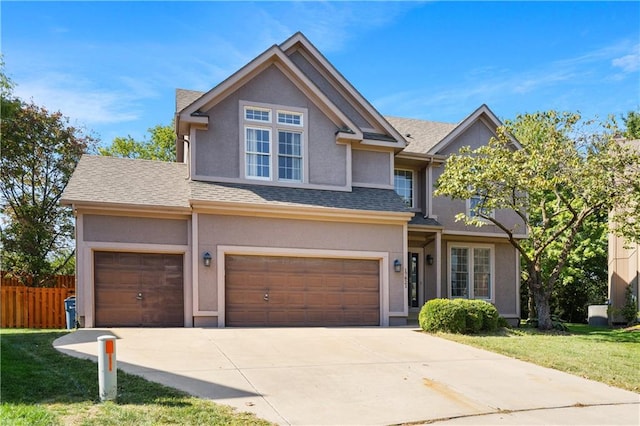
column 67, row 281
column 34, row 307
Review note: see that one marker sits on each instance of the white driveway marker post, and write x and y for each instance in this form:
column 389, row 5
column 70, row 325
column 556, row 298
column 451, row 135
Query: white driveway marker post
column 107, row 367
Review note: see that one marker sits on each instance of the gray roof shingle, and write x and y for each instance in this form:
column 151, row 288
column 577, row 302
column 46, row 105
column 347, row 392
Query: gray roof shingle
column 419, row 219
column 367, row 199
column 157, row 184
column 184, row 98
column 423, row 135
column 111, row 180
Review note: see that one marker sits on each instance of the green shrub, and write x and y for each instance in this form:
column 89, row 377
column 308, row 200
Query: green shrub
column 629, row 310
column 458, row 316
column 442, row 315
column 490, row 315
column 502, row 322
column 473, row 315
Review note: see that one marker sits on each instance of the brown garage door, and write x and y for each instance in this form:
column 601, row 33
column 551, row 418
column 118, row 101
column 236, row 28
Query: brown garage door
column 138, row 289
column 289, row 291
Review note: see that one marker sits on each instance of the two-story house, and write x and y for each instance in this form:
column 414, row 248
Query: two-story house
column 293, row 202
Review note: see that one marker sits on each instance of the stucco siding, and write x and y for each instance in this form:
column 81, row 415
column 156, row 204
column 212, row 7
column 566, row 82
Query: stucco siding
column 506, row 280
column 329, row 90
column 371, row 167
column 122, row 229
column 218, row 230
column 477, row 135
column 217, row 149
column 624, row 270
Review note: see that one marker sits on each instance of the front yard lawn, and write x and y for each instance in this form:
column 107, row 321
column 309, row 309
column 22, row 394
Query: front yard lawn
column 611, row 356
column 41, row 386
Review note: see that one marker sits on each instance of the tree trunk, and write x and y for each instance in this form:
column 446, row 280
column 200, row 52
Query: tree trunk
column 541, row 297
column 531, row 306
column 544, row 311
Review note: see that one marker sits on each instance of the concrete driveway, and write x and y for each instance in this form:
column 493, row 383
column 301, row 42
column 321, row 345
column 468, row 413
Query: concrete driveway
column 363, row 376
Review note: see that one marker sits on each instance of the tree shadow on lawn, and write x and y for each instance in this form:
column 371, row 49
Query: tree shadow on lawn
column 34, row 372
column 605, row 334
column 579, row 331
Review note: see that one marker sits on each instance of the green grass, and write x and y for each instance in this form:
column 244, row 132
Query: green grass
column 41, row 386
column 611, row 356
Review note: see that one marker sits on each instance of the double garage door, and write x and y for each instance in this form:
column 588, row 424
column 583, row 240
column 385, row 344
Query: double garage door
column 143, row 289
column 291, row 291
column 138, row 290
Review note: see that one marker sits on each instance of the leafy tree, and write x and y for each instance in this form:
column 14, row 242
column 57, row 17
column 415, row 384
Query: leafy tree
column 584, row 279
column 567, row 172
column 40, row 150
column 632, row 122
column 160, row 146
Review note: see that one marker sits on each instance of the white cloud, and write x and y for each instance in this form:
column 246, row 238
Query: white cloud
column 329, row 25
column 80, row 100
column 568, row 79
column 628, row 63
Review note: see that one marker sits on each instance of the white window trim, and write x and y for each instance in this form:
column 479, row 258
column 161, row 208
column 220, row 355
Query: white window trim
column 270, row 155
column 253, row 120
column 301, row 156
column 283, row 111
column 413, row 184
column 274, row 127
column 492, row 265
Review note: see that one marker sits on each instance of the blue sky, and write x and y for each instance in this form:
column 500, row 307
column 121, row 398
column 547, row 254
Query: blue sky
column 113, row 67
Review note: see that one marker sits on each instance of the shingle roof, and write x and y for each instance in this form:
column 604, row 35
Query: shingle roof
column 368, row 199
column 419, row 219
column 157, row 184
column 422, row 135
column 184, row 98
column 111, row 180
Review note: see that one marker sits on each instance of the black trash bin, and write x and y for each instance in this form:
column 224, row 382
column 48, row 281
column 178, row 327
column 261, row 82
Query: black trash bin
column 70, row 309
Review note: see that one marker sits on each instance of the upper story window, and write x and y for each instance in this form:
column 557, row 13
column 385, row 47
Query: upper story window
column 257, row 114
column 471, row 271
column 474, row 207
column 293, row 119
column 403, row 184
column 273, row 149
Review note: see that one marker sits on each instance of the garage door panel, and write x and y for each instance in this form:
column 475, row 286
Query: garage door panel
column 115, row 299
column 368, row 300
column 118, row 317
column 249, row 316
column 138, row 289
column 167, row 319
column 302, row 291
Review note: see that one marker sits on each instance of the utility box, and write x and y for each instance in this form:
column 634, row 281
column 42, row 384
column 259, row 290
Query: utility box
column 598, row 315
column 70, row 309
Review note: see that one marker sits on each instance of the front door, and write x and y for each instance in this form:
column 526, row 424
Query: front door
column 415, row 280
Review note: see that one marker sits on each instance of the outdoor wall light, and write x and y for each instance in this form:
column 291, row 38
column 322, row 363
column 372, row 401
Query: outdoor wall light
column 429, row 259
column 207, row 258
column 397, row 265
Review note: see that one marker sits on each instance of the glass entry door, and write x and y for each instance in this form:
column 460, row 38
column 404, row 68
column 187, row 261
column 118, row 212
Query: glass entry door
column 414, row 280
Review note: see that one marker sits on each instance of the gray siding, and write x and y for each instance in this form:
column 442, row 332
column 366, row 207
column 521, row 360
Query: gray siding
column 373, row 167
column 121, row 229
column 329, row 90
column 218, row 148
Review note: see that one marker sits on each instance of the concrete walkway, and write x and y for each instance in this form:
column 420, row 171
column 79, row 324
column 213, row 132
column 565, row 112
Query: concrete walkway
column 358, row 376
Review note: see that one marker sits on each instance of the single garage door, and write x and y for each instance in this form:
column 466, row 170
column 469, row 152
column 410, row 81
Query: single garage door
column 138, row 289
column 290, row 291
